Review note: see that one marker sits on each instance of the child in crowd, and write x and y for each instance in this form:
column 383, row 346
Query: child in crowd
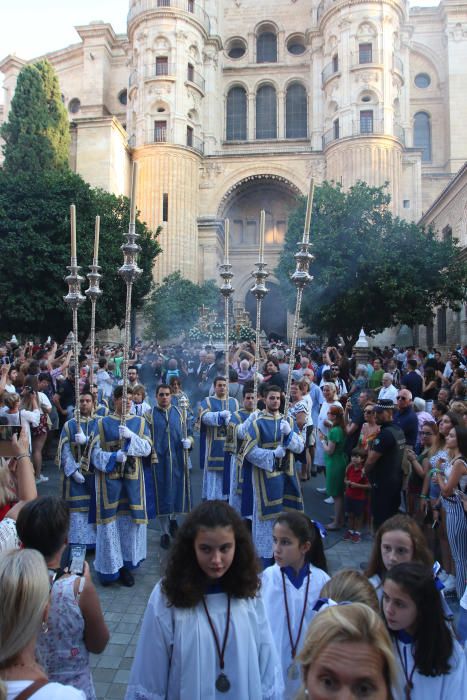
column 291, row 587
column 138, row 404
column 104, row 380
column 431, row 662
column 76, row 623
column 357, row 487
column 398, row 540
column 205, row 632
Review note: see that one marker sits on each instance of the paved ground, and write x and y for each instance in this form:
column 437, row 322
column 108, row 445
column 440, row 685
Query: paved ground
column 124, row 607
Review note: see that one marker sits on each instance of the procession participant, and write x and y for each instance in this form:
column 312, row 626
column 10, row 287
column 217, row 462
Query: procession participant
column 241, row 489
column 172, row 483
column 291, row 587
column 77, row 484
column 139, row 405
column 215, row 414
column 271, row 438
column 431, row 663
column 101, row 408
column 204, row 623
column 121, row 515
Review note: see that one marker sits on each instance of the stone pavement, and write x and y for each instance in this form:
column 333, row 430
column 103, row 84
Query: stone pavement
column 124, row 607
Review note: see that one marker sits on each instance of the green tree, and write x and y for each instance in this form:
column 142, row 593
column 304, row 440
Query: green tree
column 37, row 131
column 370, row 269
column 173, row 307
column 35, row 250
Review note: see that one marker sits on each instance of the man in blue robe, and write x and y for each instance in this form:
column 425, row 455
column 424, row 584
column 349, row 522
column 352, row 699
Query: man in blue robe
column 120, row 494
column 215, row 414
column 77, row 473
column 241, row 487
column 271, row 441
column 172, row 476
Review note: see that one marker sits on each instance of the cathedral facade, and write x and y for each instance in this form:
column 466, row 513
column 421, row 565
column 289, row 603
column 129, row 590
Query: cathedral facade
column 230, row 106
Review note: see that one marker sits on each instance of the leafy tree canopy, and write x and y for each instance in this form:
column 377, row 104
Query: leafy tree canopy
column 35, row 250
column 37, row 131
column 174, row 305
column 370, row 269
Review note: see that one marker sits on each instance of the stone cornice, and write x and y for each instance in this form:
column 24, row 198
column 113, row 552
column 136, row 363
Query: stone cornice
column 12, row 62
column 338, row 5
column 439, row 201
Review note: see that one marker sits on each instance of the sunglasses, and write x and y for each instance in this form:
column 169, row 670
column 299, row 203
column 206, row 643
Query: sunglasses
column 402, row 398
column 369, row 411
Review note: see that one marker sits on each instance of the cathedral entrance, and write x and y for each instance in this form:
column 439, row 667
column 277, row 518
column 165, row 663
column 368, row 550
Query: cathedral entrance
column 242, row 206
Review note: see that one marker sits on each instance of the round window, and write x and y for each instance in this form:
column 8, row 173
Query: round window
column 366, row 98
column 74, row 105
column 123, row 97
column 422, row 80
column 236, row 48
column 296, row 45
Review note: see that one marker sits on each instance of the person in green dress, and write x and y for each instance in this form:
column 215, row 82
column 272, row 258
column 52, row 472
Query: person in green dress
column 336, row 462
column 375, row 382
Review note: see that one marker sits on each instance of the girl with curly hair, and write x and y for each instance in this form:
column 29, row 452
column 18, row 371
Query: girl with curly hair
column 205, row 632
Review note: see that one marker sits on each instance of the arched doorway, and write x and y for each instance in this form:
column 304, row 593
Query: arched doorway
column 273, row 312
column 242, row 205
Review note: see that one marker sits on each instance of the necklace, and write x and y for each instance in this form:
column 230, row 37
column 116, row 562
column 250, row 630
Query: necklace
column 293, row 672
column 408, row 677
column 222, row 682
column 32, row 665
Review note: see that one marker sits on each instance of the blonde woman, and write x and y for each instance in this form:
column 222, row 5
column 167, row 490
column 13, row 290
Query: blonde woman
column 24, row 605
column 347, row 648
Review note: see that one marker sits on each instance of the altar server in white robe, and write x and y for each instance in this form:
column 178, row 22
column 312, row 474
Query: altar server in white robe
column 291, row 587
column 431, row 662
column 205, row 634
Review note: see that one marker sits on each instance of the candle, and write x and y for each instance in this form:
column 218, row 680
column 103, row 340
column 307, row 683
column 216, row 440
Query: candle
column 134, row 174
column 262, row 223
column 96, row 240
column 309, row 207
column 226, row 241
column 73, row 230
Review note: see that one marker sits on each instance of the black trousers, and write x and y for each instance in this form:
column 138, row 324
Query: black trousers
column 385, row 502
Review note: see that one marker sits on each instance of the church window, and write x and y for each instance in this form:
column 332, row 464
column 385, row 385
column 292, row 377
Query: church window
column 296, row 112
column 366, row 121
column 165, row 207
column 191, row 5
column 335, row 128
column 191, row 73
column 266, row 48
column 163, row 3
column 74, row 105
column 296, row 45
column 236, row 48
column 335, row 63
column 162, row 65
column 266, row 113
column 236, row 114
column 160, row 131
column 422, row 135
column 189, row 136
column 365, row 53
column 123, row 97
column 447, row 234
column 422, row 80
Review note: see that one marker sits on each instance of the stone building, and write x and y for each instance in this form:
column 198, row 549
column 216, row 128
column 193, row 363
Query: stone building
column 230, row 106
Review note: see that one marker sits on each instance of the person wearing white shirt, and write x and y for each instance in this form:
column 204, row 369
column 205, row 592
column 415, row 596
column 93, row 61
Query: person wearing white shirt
column 388, row 390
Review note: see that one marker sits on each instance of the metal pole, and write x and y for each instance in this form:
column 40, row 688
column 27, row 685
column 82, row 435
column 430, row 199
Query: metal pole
column 259, row 290
column 93, row 292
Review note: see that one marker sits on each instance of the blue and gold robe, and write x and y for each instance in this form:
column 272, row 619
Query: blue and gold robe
column 241, row 488
column 172, row 480
column 79, row 497
column 213, row 457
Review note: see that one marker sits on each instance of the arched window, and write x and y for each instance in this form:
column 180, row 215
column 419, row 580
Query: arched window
column 266, row 48
column 266, row 113
column 236, row 114
column 422, row 135
column 295, row 112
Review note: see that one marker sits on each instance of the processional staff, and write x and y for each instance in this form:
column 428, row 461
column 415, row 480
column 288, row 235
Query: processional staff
column 93, row 292
column 300, row 278
column 259, row 290
column 226, row 290
column 74, row 299
column 183, row 404
column 129, row 272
